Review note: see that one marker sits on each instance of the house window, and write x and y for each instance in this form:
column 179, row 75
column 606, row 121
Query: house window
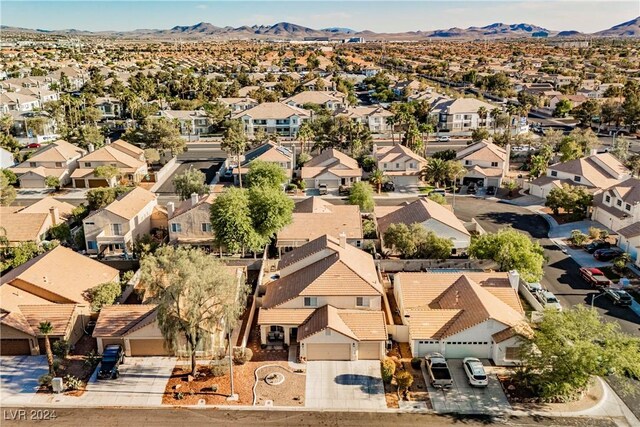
column 576, row 178
column 327, row 332
column 176, row 227
column 494, row 164
column 607, row 199
column 358, row 243
column 467, row 162
column 619, row 202
column 87, row 164
column 92, row 244
column 554, row 173
column 206, row 227
column 627, row 207
column 512, row 353
column 116, row 229
column 397, row 165
column 362, row 302
column 384, row 165
column 58, row 164
column 32, row 164
column 310, row 301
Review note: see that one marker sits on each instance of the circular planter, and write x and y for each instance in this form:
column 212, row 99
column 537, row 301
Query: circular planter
column 274, row 378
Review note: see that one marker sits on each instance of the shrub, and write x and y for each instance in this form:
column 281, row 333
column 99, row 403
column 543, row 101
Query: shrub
column 416, row 362
column 387, row 369
column 594, row 233
column 242, row 355
column 72, row 383
column 60, row 348
column 219, row 370
column 404, row 379
column 604, row 234
column 104, row 294
column 291, row 187
column 578, row 237
column 45, row 380
column 56, row 365
column 179, row 395
column 369, row 229
column 91, row 359
column 438, row 198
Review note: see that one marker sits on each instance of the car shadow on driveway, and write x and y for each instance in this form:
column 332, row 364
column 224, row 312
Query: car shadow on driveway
column 367, row 383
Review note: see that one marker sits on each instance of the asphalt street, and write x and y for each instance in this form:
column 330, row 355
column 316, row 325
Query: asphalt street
column 209, row 168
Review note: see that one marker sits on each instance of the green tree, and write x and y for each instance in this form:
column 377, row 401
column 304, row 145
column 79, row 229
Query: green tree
column 265, row 174
column 107, row 172
column 569, row 150
column 235, row 141
column 512, row 251
column 569, row 348
column 270, row 210
column 195, row 293
column 7, row 192
column 104, row 294
column 621, row 261
column 232, row 224
column 574, row 200
column 101, row 197
column 12, row 178
column 438, row 198
column 586, row 111
column 578, row 237
column 159, row 133
column 46, row 328
column 362, row 195
column 563, row 107
column 189, row 182
column 60, row 232
column 306, row 133
column 52, row 182
column 415, row 241
column 435, row 171
column 479, row 134
column 377, row 178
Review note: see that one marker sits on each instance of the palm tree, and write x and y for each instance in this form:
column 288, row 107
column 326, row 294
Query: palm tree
column 377, row 178
column 482, row 113
column 435, row 171
column 235, row 142
column 426, row 129
column 391, row 122
column 305, row 134
column 495, row 113
column 45, row 329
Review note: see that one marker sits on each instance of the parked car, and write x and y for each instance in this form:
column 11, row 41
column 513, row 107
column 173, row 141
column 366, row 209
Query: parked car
column 322, row 189
column 534, row 287
column 595, row 277
column 388, row 187
column 475, row 372
column 548, row 300
column 607, row 254
column 438, row 370
column 228, row 173
column 491, row 190
column 34, row 145
column 595, row 245
column 443, row 139
column 472, row 188
column 112, row 357
column 344, row 190
column 619, row 296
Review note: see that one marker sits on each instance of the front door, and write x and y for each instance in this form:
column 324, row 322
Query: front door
column 293, row 335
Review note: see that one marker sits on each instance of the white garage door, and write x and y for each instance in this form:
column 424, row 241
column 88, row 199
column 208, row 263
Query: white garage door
column 424, row 347
column 369, row 351
column 328, row 351
column 460, row 350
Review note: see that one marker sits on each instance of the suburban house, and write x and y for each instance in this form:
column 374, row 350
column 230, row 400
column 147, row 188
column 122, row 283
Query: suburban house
column 238, row 104
column 110, row 107
column 463, row 314
column 192, row 122
column 629, row 241
column 374, row 117
column 400, row 164
column 190, row 223
column 314, row 217
column 596, row 172
column 23, row 125
column 16, row 101
column 327, row 299
column 267, row 152
column 274, row 118
column 319, row 84
column 431, row 215
column 486, row 164
column 406, row 88
column 114, row 228
column 58, row 159
column 31, row 224
column 461, row 114
column 332, row 168
column 127, row 158
column 136, row 329
column 574, row 100
column 332, row 101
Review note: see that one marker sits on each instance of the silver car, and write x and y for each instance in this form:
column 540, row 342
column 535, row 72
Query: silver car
column 475, row 372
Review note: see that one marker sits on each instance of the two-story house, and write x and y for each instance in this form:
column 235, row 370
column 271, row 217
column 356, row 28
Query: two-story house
column 431, row 215
column 127, row 158
column 267, row 152
column 236, row 105
column 400, row 164
column 34, row 124
column 332, row 101
column 331, row 168
column 32, row 223
column 461, row 114
column 16, row 101
column 328, row 300
column 274, row 118
column 596, row 172
column 114, row 228
column 319, row 84
column 374, row 117
column 190, row 222
column 58, row 159
column 486, row 164
column 110, row 107
column 192, row 122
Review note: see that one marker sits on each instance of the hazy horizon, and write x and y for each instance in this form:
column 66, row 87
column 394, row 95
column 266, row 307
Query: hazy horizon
column 378, row 16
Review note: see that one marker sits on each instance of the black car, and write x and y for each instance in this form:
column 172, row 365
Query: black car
column 619, row 297
column 606, row 254
column 112, row 357
column 472, row 189
column 491, row 190
column 388, row 186
column 595, row 245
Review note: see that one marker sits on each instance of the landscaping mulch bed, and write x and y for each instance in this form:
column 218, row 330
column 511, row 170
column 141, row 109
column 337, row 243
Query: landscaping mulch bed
column 290, row 393
column 401, row 352
column 561, row 217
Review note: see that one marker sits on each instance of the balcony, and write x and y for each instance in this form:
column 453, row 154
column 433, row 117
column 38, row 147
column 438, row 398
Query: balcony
column 107, row 238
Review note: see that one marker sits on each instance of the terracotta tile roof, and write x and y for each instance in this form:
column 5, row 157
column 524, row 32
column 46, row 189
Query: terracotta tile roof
column 25, row 227
column 431, row 323
column 118, row 320
column 321, row 319
column 186, row 205
column 60, row 316
column 43, row 205
column 314, row 97
column 58, row 151
column 332, row 161
column 632, row 230
column 483, row 151
column 326, row 219
column 359, row 325
column 333, row 155
column 391, row 154
column 628, row 190
column 361, row 112
column 589, row 168
column 486, row 171
column 12, row 297
column 127, row 148
column 272, row 110
column 16, row 320
column 418, row 212
column 108, row 153
column 130, row 204
column 268, row 152
column 521, row 329
column 283, row 316
column 63, row 272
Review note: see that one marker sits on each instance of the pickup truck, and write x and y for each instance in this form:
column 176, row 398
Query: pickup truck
column 595, row 277
column 438, row 371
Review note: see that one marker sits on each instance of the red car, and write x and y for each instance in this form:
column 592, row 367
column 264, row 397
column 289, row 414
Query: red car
column 34, row 145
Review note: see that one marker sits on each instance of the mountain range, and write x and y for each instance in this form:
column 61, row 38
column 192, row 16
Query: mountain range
column 289, row 31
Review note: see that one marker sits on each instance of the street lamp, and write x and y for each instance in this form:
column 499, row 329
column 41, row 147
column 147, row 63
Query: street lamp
column 594, row 297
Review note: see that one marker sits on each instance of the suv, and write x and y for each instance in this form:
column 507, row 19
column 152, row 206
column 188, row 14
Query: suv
column 595, row 245
column 594, row 277
column 548, row 300
column 619, row 297
column 472, row 188
column 322, row 189
column 607, row 254
column 475, row 372
column 112, row 357
column 388, row 186
column 491, row 190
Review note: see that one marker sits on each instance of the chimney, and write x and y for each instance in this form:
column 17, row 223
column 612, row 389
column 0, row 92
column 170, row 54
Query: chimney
column 171, row 207
column 194, row 199
column 91, row 148
column 55, row 215
column 514, row 279
column 374, row 149
column 343, row 240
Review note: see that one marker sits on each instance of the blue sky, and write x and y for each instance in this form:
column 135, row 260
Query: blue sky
column 380, row 16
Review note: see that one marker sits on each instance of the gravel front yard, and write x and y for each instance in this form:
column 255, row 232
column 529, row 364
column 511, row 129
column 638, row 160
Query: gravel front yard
column 289, row 393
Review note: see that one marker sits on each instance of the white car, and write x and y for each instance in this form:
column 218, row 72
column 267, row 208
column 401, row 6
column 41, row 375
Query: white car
column 443, row 139
column 475, row 372
column 534, row 287
column 548, row 300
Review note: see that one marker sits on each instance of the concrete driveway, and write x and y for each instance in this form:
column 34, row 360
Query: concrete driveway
column 19, row 378
column 346, row 385
column 464, row 399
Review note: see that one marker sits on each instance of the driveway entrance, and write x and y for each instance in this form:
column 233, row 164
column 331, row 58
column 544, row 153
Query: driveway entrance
column 345, row 384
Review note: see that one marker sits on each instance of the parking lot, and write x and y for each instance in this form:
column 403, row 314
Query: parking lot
column 465, row 399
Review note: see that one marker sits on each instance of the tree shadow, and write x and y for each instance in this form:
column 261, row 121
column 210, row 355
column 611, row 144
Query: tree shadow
column 367, row 383
column 530, row 223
